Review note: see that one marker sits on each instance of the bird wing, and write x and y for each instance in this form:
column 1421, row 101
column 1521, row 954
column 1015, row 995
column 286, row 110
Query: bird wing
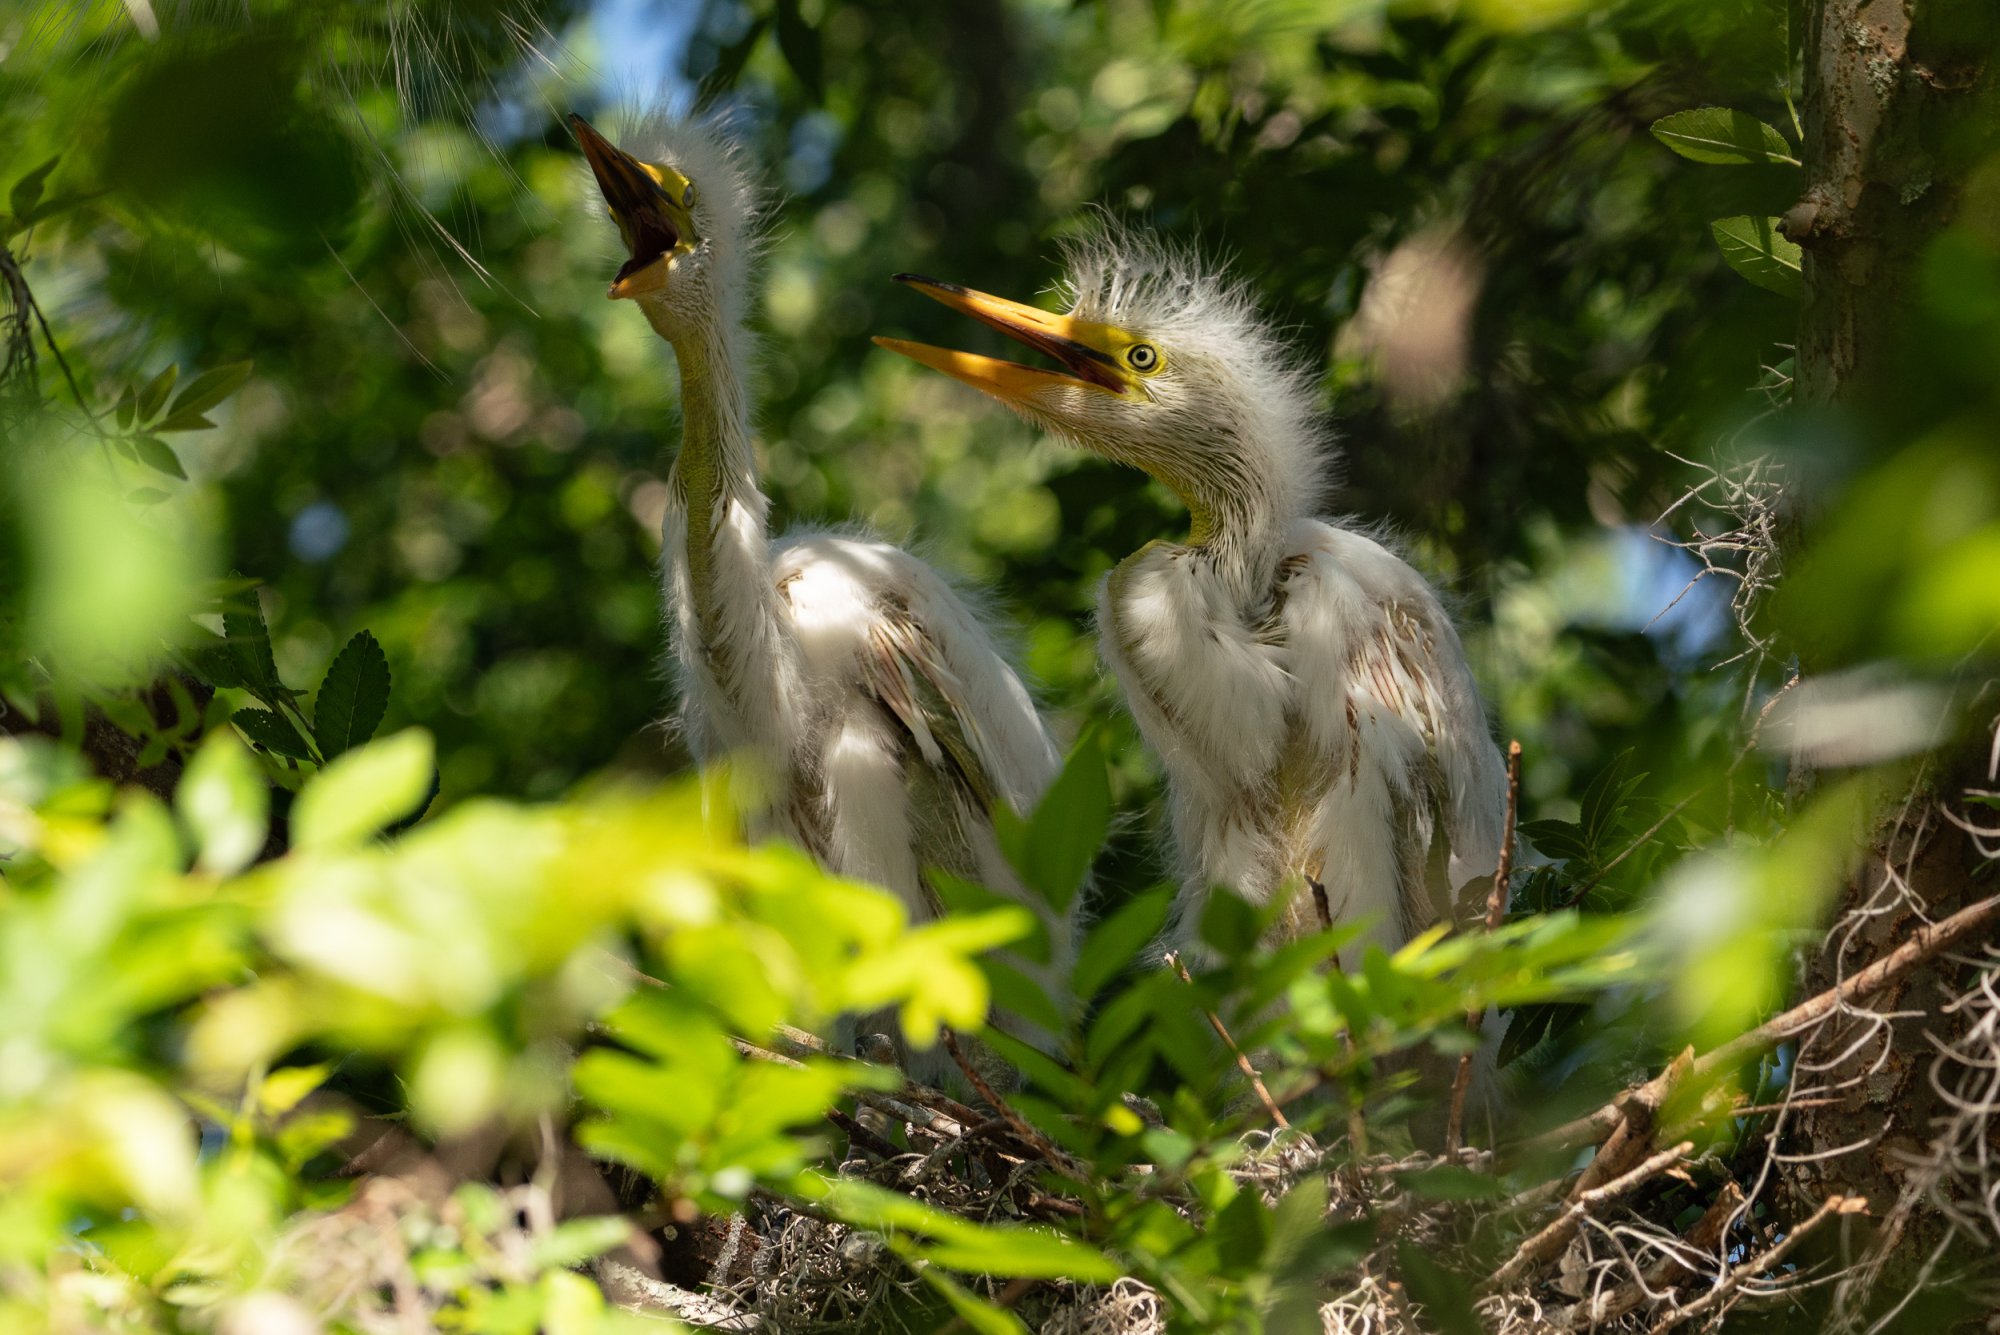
column 925, row 657
column 1406, row 656
column 905, row 671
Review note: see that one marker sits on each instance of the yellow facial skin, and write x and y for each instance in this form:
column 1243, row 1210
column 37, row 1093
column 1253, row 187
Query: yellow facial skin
column 1099, row 356
column 653, row 207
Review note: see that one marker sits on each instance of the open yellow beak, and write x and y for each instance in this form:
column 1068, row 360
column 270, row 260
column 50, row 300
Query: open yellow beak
column 1074, row 343
column 655, row 228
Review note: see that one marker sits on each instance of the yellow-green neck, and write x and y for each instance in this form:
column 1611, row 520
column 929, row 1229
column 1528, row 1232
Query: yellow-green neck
column 716, row 463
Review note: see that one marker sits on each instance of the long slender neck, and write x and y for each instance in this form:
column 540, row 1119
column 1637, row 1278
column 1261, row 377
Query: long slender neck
column 734, row 656
column 715, row 476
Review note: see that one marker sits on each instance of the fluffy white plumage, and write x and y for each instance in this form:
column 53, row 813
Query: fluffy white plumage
column 1302, row 684
column 856, row 691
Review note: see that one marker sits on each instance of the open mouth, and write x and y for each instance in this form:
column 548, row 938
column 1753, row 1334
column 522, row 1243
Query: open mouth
column 1025, row 325
column 652, row 236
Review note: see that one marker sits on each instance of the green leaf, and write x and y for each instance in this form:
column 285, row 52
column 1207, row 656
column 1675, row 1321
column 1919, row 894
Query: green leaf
column 1446, row 1297
column 223, row 799
column 128, row 402
column 1300, row 1214
column 1721, row 135
column 799, row 42
column 306, row 1134
column 154, row 396
column 353, row 696
column 994, row 1249
column 1116, row 941
column 1754, row 249
column 272, row 731
column 729, row 62
column 55, row 208
column 575, row 1241
column 250, row 643
column 27, row 191
column 1453, row 1182
column 365, row 790
column 283, row 1089
column 145, row 496
column 1229, row 922
column 1054, row 849
column 1241, row 1230
column 1556, row 838
column 211, row 387
column 977, row 1314
column 158, row 456
column 180, row 421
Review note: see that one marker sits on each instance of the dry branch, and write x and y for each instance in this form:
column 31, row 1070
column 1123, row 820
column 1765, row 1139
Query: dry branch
column 1019, row 1125
column 1496, row 909
column 1757, row 1265
column 1242, row 1062
column 1546, row 1245
column 1924, row 943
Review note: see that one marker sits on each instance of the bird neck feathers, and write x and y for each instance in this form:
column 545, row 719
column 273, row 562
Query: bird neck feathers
column 716, row 454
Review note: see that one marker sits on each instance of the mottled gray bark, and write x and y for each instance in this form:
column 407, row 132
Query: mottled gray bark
column 1902, row 106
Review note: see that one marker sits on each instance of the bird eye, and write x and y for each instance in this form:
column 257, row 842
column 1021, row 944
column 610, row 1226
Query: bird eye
column 1143, row 357
column 687, row 196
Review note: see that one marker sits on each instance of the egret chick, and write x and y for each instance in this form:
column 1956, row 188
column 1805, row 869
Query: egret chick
column 855, row 688
column 1304, row 688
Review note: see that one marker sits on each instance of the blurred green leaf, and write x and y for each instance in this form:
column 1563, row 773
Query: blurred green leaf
column 210, row 388
column 154, row 396
column 1054, row 848
column 1720, row 135
column 574, row 1241
column 285, row 1088
column 731, row 59
column 156, row 455
column 27, row 191
column 352, row 697
column 364, row 791
column 1241, row 1231
column 1114, row 943
column 1445, row 1295
column 799, row 41
column 977, row 1314
column 183, row 421
column 223, row 799
column 959, row 1244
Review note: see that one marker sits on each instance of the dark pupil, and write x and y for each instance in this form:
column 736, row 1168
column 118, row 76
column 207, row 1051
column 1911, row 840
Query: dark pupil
column 1142, row 357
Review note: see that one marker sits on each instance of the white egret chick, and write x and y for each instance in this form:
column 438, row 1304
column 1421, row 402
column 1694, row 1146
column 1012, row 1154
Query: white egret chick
column 1303, row 686
column 855, row 688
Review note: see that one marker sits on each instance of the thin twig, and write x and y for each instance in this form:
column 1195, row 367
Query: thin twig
column 1547, row 1244
column 1768, row 1260
column 860, row 1136
column 1242, row 1062
column 1925, row 942
column 1016, row 1123
column 1357, row 1126
column 1496, row 909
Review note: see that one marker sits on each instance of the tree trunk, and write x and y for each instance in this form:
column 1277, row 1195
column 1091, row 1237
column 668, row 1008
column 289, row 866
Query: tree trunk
column 1902, row 107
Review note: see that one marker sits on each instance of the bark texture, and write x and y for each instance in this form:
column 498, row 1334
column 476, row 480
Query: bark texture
column 1902, row 114
column 1901, row 107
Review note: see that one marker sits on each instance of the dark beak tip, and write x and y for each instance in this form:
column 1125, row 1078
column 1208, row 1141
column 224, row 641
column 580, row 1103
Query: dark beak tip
column 908, row 278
